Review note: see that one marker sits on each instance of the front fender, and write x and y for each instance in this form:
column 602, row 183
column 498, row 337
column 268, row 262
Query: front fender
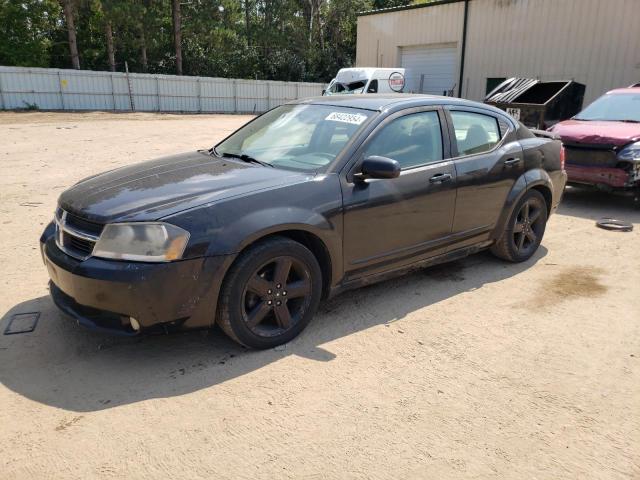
column 229, row 226
column 256, row 225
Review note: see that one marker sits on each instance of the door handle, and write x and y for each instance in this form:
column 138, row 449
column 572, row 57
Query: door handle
column 512, row 161
column 440, row 178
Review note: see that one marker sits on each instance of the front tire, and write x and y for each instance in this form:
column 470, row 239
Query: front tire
column 524, row 229
column 270, row 294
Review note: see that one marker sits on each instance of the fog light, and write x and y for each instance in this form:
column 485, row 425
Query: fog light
column 134, row 324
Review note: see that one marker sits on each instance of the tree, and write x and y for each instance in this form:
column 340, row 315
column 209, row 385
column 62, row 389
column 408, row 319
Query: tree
column 110, row 48
column 28, row 31
column 247, row 21
column 177, row 34
column 293, row 40
column 69, row 14
column 378, row 4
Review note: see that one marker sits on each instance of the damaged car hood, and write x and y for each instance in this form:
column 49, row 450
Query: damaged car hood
column 597, row 132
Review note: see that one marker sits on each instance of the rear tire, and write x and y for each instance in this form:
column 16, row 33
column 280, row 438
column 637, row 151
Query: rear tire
column 270, row 294
column 524, row 229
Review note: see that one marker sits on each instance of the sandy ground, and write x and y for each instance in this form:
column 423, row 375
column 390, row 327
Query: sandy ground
column 478, row 369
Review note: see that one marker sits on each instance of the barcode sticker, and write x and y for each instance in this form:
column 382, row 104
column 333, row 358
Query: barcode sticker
column 352, row 118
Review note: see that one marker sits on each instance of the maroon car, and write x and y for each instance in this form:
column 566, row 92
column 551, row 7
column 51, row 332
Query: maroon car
column 602, row 143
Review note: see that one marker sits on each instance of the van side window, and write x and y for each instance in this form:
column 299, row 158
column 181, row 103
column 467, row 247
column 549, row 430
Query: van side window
column 475, row 132
column 373, row 87
column 412, row 140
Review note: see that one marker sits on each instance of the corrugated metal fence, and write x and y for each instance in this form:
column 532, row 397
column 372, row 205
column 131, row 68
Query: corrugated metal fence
column 55, row 89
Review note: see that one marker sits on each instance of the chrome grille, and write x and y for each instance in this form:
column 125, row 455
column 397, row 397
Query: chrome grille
column 76, row 236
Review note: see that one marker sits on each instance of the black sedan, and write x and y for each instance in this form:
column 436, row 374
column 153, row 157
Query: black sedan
column 309, row 199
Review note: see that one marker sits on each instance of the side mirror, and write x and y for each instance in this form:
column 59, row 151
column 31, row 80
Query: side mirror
column 324, row 91
column 378, row 167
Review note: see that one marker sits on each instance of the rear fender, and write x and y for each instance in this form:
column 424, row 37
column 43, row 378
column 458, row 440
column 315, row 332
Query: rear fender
column 528, row 180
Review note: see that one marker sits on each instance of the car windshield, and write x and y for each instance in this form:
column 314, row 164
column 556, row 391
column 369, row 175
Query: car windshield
column 615, row 107
column 296, row 137
column 345, row 88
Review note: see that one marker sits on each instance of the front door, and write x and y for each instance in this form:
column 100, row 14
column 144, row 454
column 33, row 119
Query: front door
column 391, row 222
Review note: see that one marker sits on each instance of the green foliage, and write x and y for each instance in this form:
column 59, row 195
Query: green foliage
column 28, row 31
column 290, row 40
column 377, row 4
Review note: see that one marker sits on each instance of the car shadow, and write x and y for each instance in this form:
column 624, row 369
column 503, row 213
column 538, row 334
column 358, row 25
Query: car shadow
column 66, row 366
column 593, row 205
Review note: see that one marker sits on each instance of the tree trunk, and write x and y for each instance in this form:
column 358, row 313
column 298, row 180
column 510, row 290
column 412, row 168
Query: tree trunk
column 319, row 24
column 111, row 51
column 267, row 27
column 247, row 21
column 67, row 6
column 143, row 51
column 177, row 34
column 311, row 14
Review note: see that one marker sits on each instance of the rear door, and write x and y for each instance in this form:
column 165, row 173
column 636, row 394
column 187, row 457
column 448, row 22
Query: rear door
column 488, row 160
column 388, row 222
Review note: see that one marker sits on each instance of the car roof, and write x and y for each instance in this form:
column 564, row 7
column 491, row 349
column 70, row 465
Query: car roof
column 625, row 90
column 398, row 101
column 371, row 69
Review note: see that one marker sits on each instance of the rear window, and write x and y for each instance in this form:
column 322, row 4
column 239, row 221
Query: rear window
column 475, row 132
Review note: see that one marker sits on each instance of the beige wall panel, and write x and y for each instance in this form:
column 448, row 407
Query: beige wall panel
column 385, row 33
column 596, row 42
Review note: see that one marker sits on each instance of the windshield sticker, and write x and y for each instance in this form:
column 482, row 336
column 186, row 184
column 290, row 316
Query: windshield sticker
column 352, row 118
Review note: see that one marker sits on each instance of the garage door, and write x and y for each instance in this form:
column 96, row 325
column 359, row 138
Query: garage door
column 436, row 62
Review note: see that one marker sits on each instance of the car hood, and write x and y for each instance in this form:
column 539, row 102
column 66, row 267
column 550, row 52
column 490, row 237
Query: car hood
column 158, row 188
column 597, row 132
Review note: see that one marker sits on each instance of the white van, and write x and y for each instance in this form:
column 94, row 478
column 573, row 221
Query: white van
column 366, row 80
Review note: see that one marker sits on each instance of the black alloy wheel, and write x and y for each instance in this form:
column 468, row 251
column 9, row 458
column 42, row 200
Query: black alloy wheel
column 276, row 296
column 524, row 229
column 270, row 293
column 528, row 227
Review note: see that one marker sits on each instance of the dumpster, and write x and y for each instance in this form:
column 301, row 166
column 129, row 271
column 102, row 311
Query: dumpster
column 535, row 103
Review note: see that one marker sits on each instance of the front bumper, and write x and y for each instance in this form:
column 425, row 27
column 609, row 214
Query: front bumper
column 104, row 294
column 607, row 176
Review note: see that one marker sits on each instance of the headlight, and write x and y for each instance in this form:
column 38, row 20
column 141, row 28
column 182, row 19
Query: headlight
column 143, row 242
column 630, row 152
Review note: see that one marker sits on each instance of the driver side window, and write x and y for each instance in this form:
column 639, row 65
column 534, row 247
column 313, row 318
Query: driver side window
column 413, row 140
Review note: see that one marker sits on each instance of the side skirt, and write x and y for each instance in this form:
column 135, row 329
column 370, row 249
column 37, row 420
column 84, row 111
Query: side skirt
column 402, row 270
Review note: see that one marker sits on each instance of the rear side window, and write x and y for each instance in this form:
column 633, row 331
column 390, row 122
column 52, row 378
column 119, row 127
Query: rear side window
column 373, row 86
column 475, row 132
column 412, row 140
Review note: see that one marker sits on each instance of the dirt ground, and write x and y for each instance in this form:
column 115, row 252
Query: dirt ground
column 477, row 369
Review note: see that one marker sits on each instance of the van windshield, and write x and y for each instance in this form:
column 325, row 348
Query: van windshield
column 296, row 137
column 346, row 88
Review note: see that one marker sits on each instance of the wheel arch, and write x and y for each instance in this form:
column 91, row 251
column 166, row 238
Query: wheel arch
column 546, row 193
column 536, row 179
column 305, row 237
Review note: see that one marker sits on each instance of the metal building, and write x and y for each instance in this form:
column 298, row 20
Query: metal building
column 467, row 47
